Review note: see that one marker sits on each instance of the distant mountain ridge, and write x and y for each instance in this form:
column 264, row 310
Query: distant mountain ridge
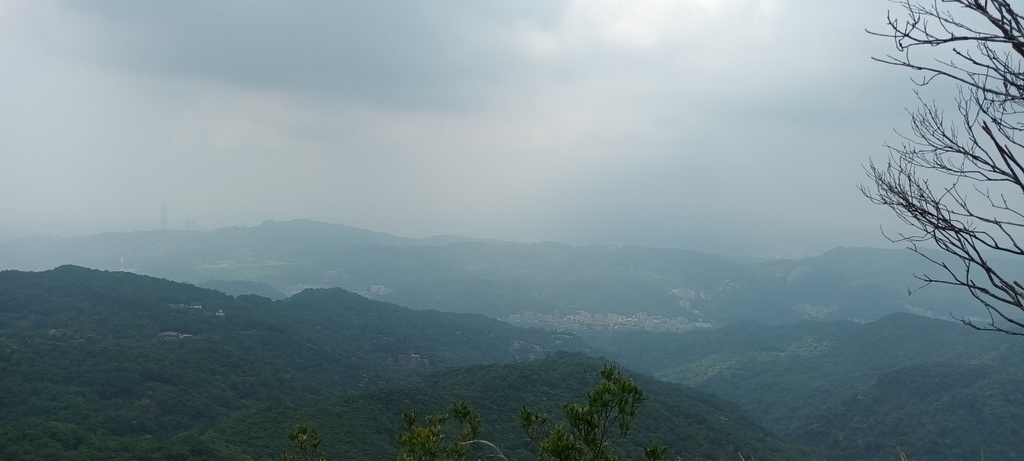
column 78, row 302
column 243, row 287
column 106, row 250
column 498, row 279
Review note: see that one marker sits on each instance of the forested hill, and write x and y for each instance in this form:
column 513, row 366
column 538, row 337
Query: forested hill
column 123, row 354
column 783, row 373
column 934, row 411
column 110, row 365
column 693, row 424
column 857, row 391
column 77, row 302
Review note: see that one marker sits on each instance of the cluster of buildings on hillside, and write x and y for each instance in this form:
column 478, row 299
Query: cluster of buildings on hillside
column 191, row 306
column 583, row 320
column 411, row 360
column 195, row 306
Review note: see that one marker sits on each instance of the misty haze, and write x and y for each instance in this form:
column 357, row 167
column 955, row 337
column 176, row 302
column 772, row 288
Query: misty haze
column 554, row 230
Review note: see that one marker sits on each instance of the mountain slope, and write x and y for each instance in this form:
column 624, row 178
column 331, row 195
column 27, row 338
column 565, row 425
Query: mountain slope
column 110, row 365
column 134, row 355
column 784, row 373
column 170, row 253
column 695, row 425
column 936, row 411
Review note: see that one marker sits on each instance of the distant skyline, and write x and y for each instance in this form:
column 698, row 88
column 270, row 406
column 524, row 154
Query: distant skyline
column 718, row 125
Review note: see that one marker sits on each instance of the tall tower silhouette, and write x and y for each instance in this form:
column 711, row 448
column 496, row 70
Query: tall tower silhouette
column 163, row 216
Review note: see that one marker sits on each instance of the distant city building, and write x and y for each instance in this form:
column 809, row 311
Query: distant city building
column 411, row 360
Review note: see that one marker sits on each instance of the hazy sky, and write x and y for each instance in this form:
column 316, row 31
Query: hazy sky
column 653, row 122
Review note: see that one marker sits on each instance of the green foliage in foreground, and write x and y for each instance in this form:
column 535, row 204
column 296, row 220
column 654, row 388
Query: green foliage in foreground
column 591, row 428
column 305, row 445
column 588, row 434
column 696, row 425
column 426, row 441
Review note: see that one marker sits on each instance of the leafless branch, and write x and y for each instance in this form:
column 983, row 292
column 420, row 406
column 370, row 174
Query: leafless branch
column 957, row 182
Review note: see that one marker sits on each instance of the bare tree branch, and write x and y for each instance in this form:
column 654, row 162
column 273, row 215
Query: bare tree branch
column 957, row 183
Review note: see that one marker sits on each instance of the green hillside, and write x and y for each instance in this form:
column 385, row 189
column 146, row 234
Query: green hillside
column 783, row 373
column 111, row 365
column 695, row 425
column 934, row 411
column 854, row 391
column 119, row 357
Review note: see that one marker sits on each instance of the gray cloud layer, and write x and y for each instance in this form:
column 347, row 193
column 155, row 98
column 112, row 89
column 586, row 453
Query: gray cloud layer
column 702, row 122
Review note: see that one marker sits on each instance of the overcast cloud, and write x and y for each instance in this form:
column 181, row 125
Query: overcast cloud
column 695, row 123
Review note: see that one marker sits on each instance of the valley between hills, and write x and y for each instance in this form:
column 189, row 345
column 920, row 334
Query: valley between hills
column 211, row 345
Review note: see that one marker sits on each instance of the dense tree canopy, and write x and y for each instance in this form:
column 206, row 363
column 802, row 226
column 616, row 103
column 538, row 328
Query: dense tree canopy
column 104, row 365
